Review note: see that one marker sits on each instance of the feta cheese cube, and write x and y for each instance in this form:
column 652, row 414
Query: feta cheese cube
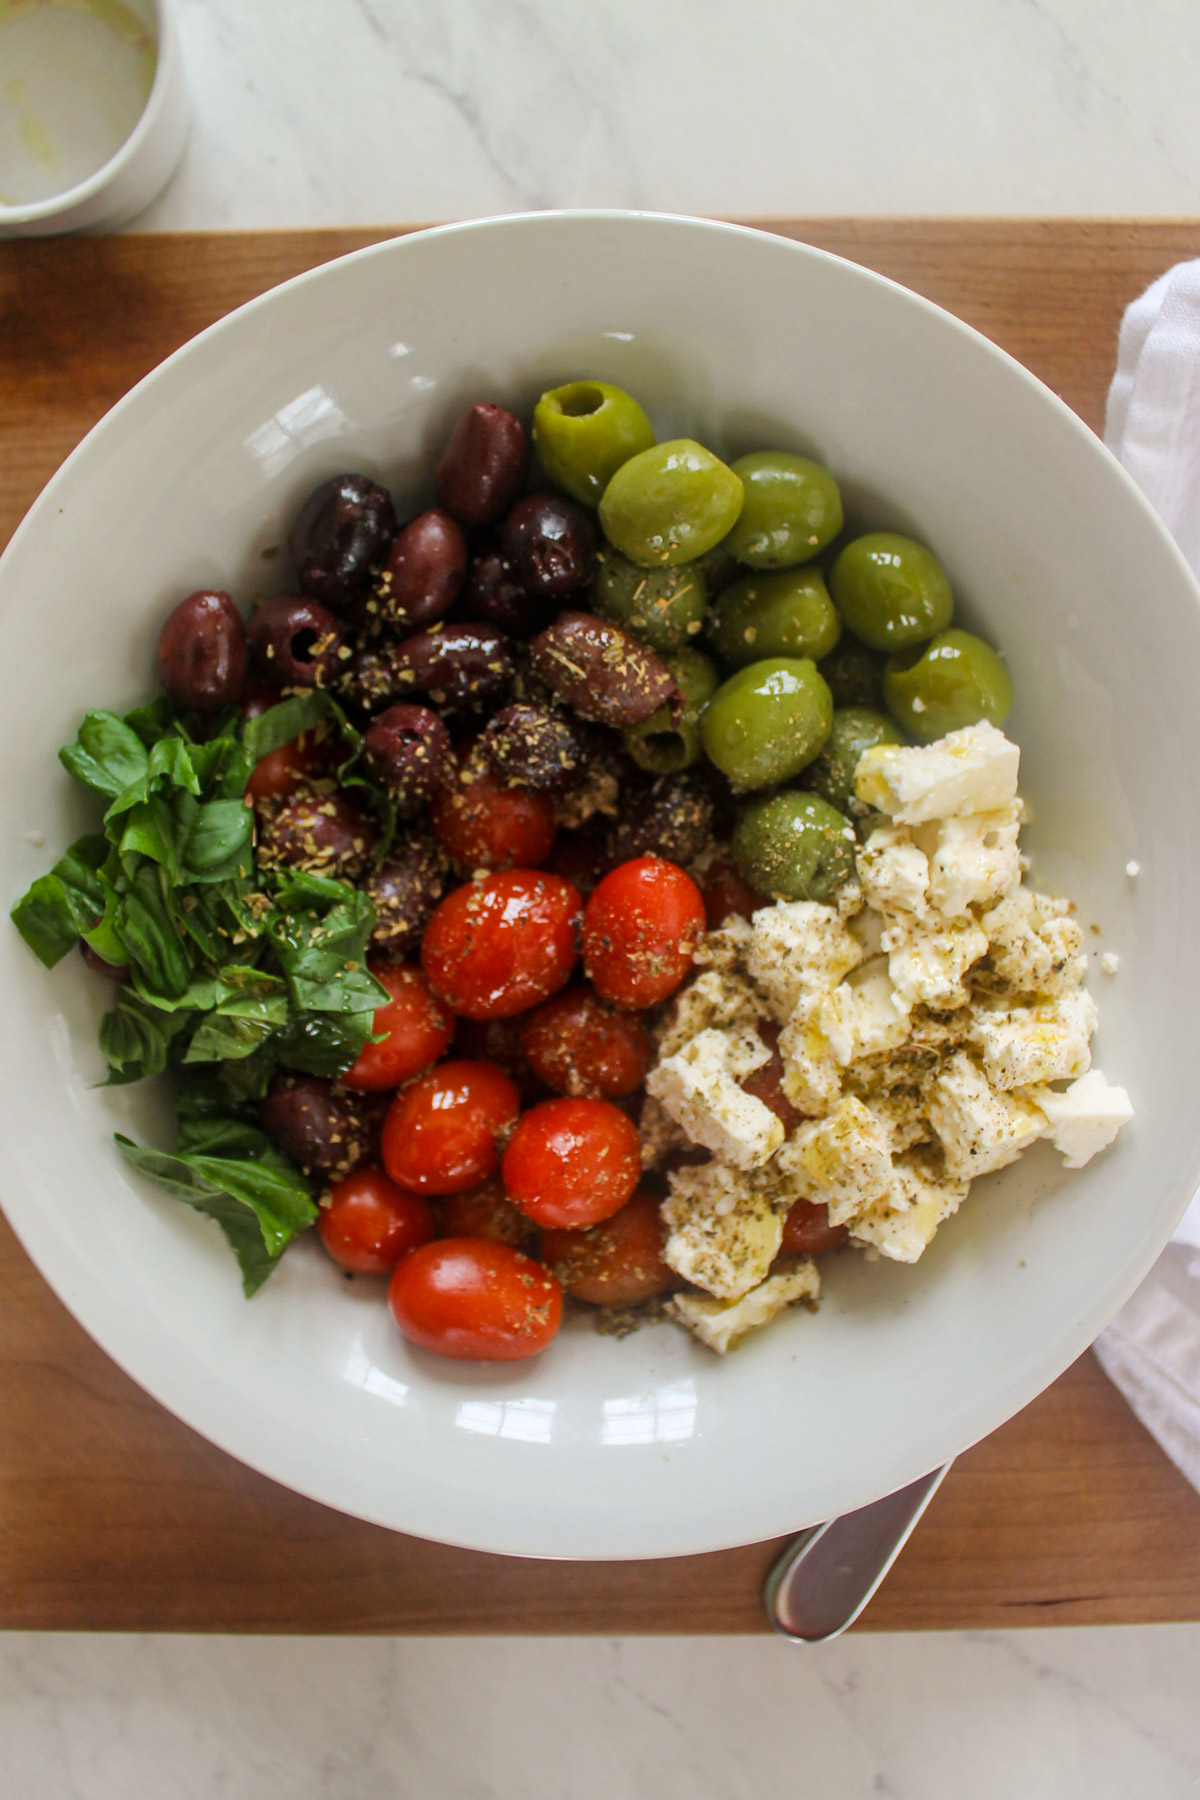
column 798, row 948
column 659, row 1133
column 863, row 1016
column 721, row 1325
column 716, row 999
column 979, row 1128
column 698, row 1087
column 901, row 1116
column 812, row 1078
column 1033, row 946
column 723, row 1233
column 894, row 872
column 902, row 1221
column 970, row 771
column 1026, row 1044
column 975, row 859
column 1085, row 1118
column 844, row 1159
column 928, row 958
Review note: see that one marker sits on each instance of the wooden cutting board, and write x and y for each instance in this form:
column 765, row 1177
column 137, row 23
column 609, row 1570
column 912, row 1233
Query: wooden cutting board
column 113, row 1516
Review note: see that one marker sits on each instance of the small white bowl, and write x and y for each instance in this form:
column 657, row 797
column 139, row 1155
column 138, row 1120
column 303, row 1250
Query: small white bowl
column 143, row 164
column 647, row 1446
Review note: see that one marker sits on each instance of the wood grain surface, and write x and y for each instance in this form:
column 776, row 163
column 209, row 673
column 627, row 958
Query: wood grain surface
column 114, row 1516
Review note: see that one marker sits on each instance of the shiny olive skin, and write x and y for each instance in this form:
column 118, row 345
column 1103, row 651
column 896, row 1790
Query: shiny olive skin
column 407, row 750
column 665, row 607
column 767, row 722
column 325, row 834
column 584, row 432
column 719, row 566
column 600, row 670
column 202, row 652
column 483, row 467
column 322, row 1128
column 670, row 504
column 672, row 818
column 956, row 680
column 891, row 591
column 669, row 740
column 794, row 847
column 854, row 673
column 550, row 543
column 783, row 612
column 425, row 568
column 460, row 667
column 494, row 595
column 294, row 642
column 341, row 535
column 831, row 774
column 537, row 747
column 405, row 892
column 791, row 511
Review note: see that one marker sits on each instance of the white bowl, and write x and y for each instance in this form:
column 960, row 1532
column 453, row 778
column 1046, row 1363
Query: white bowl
column 647, row 1446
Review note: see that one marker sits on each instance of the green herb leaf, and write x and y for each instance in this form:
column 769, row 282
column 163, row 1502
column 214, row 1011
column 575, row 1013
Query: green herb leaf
column 323, row 954
column 321, row 1043
column 62, row 905
column 107, row 755
column 135, row 1040
column 146, row 928
column 284, row 723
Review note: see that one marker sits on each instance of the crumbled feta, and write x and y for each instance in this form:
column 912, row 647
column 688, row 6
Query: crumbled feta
column 812, row 1079
column 1085, row 1118
column 659, row 1133
column 901, row 1116
column 845, row 1159
column 1110, row 962
column 698, row 1087
column 721, row 1325
column 970, row 771
column 717, row 999
column 723, row 1234
column 1033, row 947
column 894, row 872
column 902, row 1221
column 928, row 958
column 1133, row 870
column 863, row 1015
column 798, row 948
column 1027, row 1044
column 974, row 859
column 980, row 1129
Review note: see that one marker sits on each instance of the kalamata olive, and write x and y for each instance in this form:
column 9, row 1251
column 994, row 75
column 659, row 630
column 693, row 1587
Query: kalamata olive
column 499, row 1041
column 343, row 532
column 483, row 467
column 582, row 856
column 672, row 818
column 370, row 680
column 407, row 749
column 202, row 652
column 294, row 641
column 112, row 971
column 533, row 747
column 424, row 570
column 405, row 891
column 467, row 667
column 322, row 1128
column 322, row 833
column 551, row 544
column 601, row 670
column 493, row 593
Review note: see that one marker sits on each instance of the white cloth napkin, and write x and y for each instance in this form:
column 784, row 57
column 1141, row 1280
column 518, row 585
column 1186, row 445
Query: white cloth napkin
column 1152, row 1348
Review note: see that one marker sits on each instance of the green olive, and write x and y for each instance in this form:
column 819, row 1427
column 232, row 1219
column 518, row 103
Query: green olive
column 767, row 722
column 670, row 504
column 665, row 607
column 719, row 567
column 956, row 680
column 584, row 431
column 791, row 511
column 854, row 673
column 794, row 847
column 891, row 591
column 854, row 729
column 665, row 743
column 784, row 613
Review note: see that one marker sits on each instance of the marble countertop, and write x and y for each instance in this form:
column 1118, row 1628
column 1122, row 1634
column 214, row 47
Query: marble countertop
column 369, row 111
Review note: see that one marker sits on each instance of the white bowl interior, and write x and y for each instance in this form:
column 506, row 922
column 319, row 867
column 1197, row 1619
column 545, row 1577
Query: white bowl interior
column 647, row 1446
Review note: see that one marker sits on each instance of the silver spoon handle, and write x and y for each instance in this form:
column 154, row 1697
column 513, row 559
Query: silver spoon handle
column 826, row 1576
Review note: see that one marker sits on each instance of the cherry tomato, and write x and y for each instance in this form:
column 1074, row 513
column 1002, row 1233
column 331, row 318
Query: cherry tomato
column 499, row 1041
column 577, row 1044
column 766, row 1084
column 487, row 1212
column 418, row 1028
column 487, row 826
column 807, row 1231
column 370, row 1223
column 727, row 896
column 572, row 1162
column 498, row 946
column 441, row 1134
column 281, row 772
column 465, row 1298
column 640, row 928
column 618, row 1262
column 581, row 856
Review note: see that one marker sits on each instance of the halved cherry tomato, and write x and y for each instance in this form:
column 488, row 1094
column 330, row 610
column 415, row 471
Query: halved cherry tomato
column 577, row 1044
column 443, row 1133
column 418, row 1027
column 640, row 929
column 498, row 946
column 485, row 825
column 618, row 1262
column 465, row 1298
column 807, row 1231
column 370, row 1223
column 572, row 1162
column 766, row 1084
column 487, row 1212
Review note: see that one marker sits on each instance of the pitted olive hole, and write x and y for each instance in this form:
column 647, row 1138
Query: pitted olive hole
column 303, row 643
column 578, row 401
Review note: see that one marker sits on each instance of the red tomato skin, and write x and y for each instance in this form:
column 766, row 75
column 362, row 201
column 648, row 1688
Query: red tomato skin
column 640, row 929
column 766, row 1084
column 497, row 946
column 419, row 1030
column 618, row 1262
column 572, row 1162
column 475, row 1301
column 442, row 1133
column 577, row 1044
column 370, row 1223
column 280, row 773
column 807, row 1231
column 486, row 826
column 486, row 1212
